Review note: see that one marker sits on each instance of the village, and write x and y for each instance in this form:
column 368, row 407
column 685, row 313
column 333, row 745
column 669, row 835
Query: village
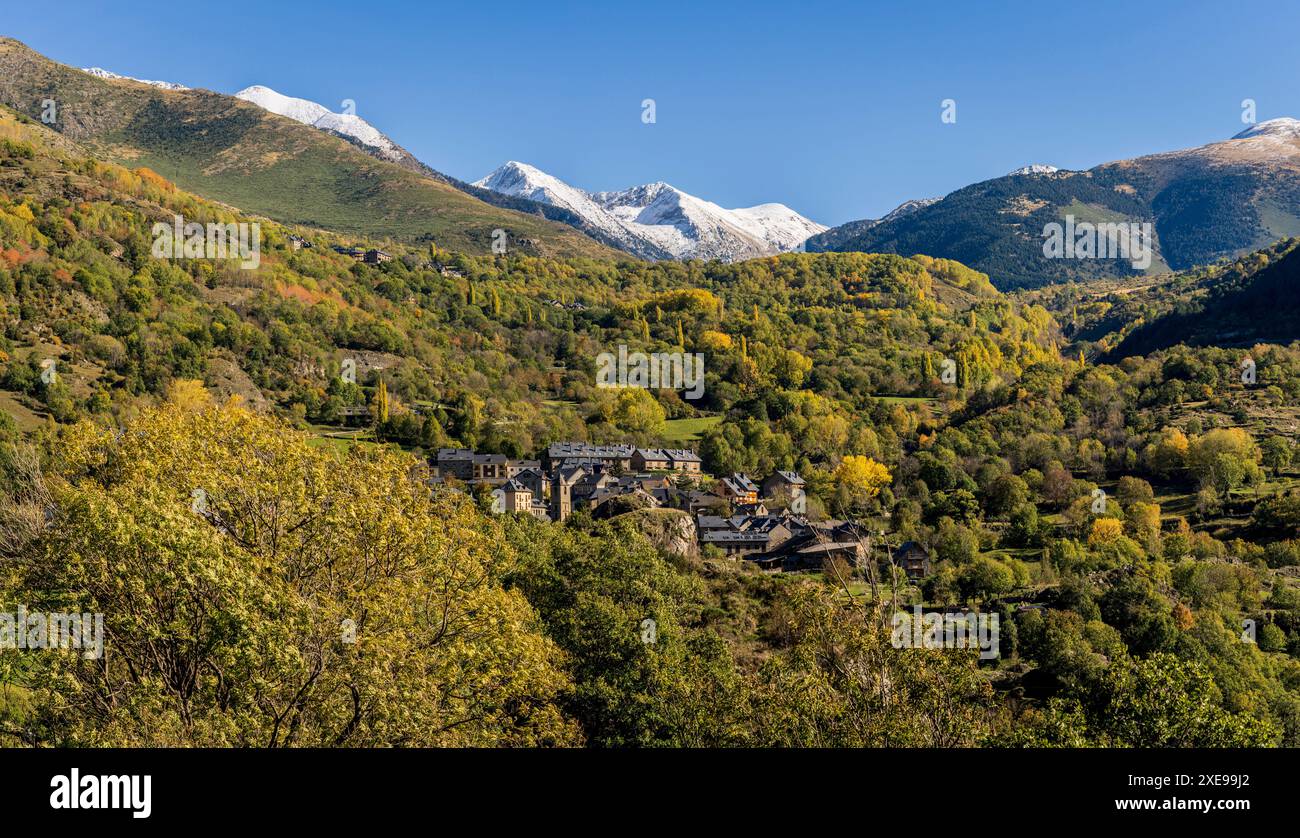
column 765, row 522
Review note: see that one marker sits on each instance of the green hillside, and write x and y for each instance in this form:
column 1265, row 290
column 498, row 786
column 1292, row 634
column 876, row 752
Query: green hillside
column 1204, row 204
column 912, row 397
column 1256, row 301
column 517, row 335
column 234, row 152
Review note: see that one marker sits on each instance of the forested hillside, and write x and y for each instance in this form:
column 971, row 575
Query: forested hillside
column 1122, row 622
column 1257, row 302
column 234, row 152
column 1203, row 204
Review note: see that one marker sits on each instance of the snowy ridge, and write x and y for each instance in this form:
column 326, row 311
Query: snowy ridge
column 318, row 116
column 101, row 73
column 657, row 219
column 1034, row 169
column 1272, row 139
column 1283, row 128
column 524, row 181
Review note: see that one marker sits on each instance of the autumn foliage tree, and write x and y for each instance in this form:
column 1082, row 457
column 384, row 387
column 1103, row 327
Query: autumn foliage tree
column 259, row 591
column 858, row 480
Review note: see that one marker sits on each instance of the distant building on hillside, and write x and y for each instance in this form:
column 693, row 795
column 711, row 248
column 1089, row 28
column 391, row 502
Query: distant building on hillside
column 782, row 485
column 736, row 543
column 468, row 466
column 562, row 483
column 650, row 459
column 682, row 459
column 519, row 498
column 913, row 559
column 697, row 500
column 593, row 481
column 534, row 479
column 455, row 462
column 705, row 523
column 571, row 475
column 516, row 466
column 738, row 489
column 647, row 482
column 613, row 456
column 489, row 467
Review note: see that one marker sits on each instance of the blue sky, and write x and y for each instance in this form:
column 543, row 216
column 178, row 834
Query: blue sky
column 830, row 107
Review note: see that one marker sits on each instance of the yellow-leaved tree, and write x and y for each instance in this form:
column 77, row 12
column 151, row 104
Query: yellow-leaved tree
column 858, row 481
column 259, row 591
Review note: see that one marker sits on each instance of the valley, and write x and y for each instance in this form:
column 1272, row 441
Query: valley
column 372, row 488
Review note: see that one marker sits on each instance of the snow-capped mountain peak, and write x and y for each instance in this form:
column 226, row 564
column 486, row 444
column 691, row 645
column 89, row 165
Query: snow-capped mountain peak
column 100, row 72
column 1035, row 169
column 302, row 110
column 1283, row 128
column 319, row 116
column 659, row 220
column 523, row 180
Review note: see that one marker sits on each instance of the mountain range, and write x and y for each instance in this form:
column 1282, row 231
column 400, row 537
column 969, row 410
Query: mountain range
column 299, row 162
column 238, row 153
column 1205, row 203
column 653, row 221
column 659, row 221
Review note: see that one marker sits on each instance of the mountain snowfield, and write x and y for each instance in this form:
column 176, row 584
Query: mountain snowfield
column 657, row 220
column 1283, row 127
column 1035, row 169
column 101, row 73
column 1274, row 139
column 319, row 116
